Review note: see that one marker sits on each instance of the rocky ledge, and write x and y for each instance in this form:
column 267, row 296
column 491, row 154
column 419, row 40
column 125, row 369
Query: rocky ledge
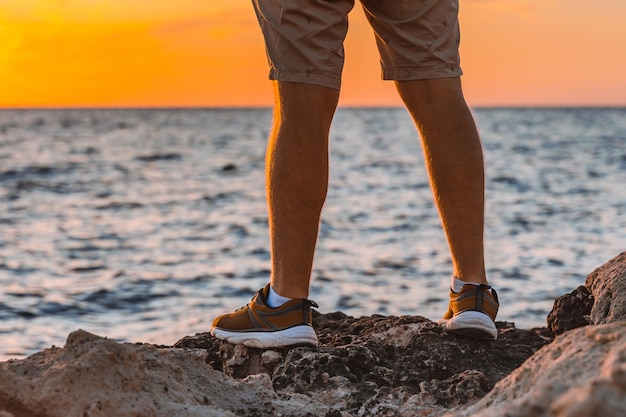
column 369, row 366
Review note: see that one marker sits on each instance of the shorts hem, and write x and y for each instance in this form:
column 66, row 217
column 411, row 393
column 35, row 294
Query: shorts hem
column 414, row 74
column 306, row 78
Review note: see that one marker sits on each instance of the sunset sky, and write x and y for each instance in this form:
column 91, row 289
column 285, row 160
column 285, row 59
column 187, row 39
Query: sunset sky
column 75, row 53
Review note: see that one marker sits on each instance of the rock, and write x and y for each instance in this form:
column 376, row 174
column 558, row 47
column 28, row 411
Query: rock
column 369, row 366
column 374, row 366
column 571, row 311
column 601, row 300
column 97, row 377
column 608, row 286
column 581, row 374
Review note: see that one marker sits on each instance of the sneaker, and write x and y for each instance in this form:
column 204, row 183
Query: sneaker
column 258, row 325
column 472, row 312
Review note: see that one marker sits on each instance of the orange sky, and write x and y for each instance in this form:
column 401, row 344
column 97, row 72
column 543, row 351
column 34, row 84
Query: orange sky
column 210, row 53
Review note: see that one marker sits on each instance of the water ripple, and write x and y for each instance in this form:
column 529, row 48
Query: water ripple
column 144, row 224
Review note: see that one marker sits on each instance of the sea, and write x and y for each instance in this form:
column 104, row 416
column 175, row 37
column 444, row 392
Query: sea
column 142, row 225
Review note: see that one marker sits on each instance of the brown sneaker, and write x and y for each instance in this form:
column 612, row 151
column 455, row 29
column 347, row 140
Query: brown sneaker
column 472, row 312
column 258, row 325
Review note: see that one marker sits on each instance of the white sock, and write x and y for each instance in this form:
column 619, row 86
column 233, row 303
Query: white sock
column 457, row 284
column 275, row 300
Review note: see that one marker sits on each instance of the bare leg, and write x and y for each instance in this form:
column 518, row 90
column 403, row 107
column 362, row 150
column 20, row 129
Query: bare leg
column 454, row 160
column 297, row 181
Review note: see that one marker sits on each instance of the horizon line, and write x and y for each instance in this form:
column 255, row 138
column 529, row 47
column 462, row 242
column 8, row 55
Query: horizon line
column 261, row 107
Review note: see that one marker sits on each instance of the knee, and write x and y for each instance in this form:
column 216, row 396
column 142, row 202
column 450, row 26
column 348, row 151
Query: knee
column 302, row 104
column 433, row 98
column 431, row 92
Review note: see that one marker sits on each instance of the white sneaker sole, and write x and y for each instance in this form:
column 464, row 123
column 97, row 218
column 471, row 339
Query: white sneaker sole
column 471, row 323
column 302, row 335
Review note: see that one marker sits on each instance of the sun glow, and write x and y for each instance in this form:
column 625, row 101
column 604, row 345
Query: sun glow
column 199, row 53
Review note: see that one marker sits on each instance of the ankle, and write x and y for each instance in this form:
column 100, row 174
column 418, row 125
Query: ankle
column 275, row 300
column 457, row 284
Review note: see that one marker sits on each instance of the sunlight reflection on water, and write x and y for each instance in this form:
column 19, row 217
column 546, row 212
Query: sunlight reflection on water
column 142, row 225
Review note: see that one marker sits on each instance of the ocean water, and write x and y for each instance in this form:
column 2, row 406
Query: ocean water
column 142, row 225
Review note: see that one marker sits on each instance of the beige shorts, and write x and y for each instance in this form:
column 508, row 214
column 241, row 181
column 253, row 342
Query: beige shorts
column 417, row 39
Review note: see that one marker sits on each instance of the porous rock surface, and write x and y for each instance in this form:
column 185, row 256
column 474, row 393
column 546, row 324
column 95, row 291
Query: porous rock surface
column 582, row 373
column 375, row 365
column 607, row 284
column 96, row 377
column 571, row 311
column 369, row 366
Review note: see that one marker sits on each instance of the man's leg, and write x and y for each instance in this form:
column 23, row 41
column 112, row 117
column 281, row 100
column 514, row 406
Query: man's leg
column 297, row 181
column 304, row 45
column 454, row 160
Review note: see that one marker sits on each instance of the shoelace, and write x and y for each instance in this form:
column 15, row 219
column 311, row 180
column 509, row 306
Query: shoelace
column 259, row 292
